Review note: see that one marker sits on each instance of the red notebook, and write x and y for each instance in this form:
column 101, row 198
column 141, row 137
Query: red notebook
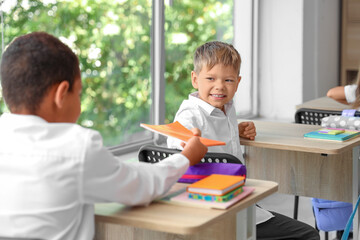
column 176, row 130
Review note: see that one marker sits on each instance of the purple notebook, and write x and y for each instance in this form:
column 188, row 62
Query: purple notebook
column 202, row 170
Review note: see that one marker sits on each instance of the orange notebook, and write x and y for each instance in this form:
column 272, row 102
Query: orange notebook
column 176, row 130
column 216, row 184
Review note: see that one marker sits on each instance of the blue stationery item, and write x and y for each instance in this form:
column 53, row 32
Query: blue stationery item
column 348, row 112
column 345, row 235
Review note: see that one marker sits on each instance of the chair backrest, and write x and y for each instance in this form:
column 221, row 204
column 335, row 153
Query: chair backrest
column 154, row 154
column 314, row 116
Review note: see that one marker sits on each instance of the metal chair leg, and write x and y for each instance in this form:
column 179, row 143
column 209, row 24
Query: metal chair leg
column 296, row 206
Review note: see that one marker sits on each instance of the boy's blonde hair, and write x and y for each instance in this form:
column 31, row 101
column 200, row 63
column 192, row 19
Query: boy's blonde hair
column 212, row 53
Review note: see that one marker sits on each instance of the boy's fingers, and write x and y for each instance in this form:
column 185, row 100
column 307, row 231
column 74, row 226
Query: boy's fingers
column 252, row 134
column 253, row 130
column 196, row 132
column 250, row 125
column 194, row 150
column 244, row 124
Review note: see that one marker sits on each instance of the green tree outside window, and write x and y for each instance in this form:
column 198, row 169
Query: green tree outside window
column 112, row 40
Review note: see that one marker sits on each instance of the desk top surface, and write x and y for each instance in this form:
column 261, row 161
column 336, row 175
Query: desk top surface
column 324, row 103
column 290, row 136
column 159, row 216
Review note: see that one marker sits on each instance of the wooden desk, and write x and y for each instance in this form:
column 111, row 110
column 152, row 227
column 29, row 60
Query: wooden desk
column 161, row 221
column 324, row 103
column 304, row 167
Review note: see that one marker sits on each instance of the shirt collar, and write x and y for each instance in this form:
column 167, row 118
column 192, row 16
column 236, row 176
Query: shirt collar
column 18, row 118
column 194, row 97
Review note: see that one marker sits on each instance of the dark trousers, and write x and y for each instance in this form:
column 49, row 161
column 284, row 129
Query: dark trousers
column 283, row 227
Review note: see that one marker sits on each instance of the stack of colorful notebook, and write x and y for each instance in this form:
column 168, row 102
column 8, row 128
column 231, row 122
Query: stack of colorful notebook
column 216, row 188
column 215, row 191
column 333, row 134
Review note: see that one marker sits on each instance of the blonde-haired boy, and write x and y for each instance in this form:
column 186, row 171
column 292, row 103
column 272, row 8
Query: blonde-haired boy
column 211, row 109
column 211, row 112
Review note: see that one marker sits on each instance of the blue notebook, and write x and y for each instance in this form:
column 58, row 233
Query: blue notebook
column 335, row 134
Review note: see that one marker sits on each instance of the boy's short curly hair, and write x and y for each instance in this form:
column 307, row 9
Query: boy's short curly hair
column 31, row 65
column 212, row 53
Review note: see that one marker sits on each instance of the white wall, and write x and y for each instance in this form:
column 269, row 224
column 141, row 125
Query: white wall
column 298, row 52
column 245, row 43
column 322, row 21
column 280, row 58
column 297, row 55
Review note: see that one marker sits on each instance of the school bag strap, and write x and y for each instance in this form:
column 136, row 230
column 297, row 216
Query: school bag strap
column 345, row 235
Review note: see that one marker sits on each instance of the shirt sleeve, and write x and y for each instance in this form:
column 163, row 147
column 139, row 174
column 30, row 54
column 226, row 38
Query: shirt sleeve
column 108, row 179
column 350, row 93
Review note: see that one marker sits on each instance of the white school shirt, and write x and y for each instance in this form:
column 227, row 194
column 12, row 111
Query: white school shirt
column 214, row 124
column 350, row 93
column 51, row 174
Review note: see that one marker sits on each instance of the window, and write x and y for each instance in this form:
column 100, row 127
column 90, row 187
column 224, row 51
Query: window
column 189, row 24
column 122, row 69
column 112, row 40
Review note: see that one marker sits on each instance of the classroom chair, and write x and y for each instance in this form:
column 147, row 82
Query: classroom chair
column 153, row 154
column 314, row 116
column 329, row 215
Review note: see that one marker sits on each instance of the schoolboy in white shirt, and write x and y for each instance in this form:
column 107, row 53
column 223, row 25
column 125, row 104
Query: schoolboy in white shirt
column 211, row 110
column 52, row 170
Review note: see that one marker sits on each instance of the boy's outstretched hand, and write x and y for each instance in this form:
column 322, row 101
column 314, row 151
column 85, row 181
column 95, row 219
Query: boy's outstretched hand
column 247, row 130
column 194, row 150
column 196, row 132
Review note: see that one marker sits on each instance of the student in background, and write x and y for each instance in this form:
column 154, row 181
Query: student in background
column 211, row 111
column 52, row 170
column 349, row 94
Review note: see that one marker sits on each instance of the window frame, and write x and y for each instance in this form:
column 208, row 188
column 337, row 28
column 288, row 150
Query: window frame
column 157, row 113
column 158, row 70
column 246, row 41
column 157, row 52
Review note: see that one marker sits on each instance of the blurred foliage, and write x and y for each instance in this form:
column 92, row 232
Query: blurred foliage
column 189, row 24
column 112, row 40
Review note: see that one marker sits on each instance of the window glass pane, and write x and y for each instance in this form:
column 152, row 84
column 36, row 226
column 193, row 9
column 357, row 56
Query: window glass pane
column 189, row 24
column 112, row 40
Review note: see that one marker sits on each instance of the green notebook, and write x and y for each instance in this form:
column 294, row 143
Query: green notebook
column 334, row 134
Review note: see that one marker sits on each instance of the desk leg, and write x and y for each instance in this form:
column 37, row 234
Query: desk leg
column 356, row 189
column 246, row 229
